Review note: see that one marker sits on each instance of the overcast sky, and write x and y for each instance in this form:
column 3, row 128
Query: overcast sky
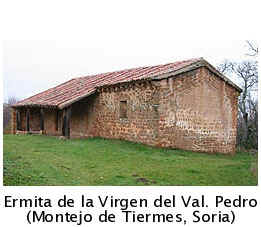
column 33, row 66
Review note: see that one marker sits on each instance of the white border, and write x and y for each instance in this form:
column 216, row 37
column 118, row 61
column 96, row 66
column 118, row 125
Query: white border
column 112, row 20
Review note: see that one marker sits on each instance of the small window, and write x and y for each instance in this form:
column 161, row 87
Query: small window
column 123, row 109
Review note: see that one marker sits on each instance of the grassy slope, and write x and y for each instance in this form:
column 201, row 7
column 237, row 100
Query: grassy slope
column 41, row 160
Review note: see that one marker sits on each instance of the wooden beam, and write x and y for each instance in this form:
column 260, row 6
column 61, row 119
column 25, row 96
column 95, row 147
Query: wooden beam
column 67, row 124
column 63, row 122
column 41, row 119
column 18, row 120
column 27, row 120
column 57, row 120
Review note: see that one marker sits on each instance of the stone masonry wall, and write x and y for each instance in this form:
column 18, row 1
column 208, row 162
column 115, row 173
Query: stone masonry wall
column 83, row 118
column 14, row 122
column 198, row 111
column 35, row 119
column 193, row 111
column 141, row 124
column 50, row 118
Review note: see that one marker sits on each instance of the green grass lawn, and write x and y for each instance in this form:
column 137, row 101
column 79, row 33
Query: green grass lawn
column 42, row 160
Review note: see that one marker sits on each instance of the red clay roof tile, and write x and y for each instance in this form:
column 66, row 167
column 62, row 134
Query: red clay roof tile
column 83, row 86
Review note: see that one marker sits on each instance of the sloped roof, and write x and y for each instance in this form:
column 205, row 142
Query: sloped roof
column 78, row 88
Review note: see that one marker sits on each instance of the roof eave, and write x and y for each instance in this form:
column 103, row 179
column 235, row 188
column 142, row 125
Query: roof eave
column 34, row 106
column 71, row 101
column 195, row 65
column 201, row 63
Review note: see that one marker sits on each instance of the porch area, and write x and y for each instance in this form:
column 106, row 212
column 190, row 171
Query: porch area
column 43, row 121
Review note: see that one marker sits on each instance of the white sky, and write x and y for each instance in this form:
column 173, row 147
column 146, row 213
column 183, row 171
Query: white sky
column 116, row 35
column 33, row 66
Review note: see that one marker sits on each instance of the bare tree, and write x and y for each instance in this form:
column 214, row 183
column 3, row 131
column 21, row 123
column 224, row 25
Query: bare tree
column 225, row 66
column 12, row 100
column 252, row 48
column 247, row 75
column 253, row 122
column 7, row 112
